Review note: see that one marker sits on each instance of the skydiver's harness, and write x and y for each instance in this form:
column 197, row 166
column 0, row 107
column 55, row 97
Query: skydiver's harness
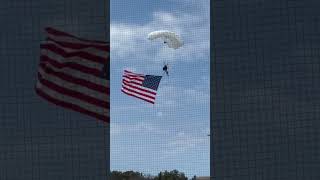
column 165, row 69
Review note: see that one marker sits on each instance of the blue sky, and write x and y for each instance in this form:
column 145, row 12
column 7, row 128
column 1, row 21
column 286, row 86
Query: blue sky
column 172, row 134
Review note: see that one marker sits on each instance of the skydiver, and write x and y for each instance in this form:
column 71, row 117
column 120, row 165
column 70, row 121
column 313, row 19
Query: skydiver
column 165, row 69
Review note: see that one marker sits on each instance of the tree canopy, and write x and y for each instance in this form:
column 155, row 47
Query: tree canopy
column 134, row 175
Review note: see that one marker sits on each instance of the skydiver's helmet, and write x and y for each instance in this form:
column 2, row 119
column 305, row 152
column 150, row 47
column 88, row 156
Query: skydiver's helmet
column 165, row 68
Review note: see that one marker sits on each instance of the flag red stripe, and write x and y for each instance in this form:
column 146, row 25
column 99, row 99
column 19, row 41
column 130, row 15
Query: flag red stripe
column 60, row 33
column 136, row 92
column 140, row 89
column 72, row 65
column 132, row 82
column 74, row 80
column 72, row 93
column 80, row 46
column 133, row 78
column 137, row 96
column 72, row 106
column 132, row 73
column 82, row 54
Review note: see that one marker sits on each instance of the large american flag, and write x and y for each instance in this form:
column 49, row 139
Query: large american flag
column 140, row 86
column 74, row 73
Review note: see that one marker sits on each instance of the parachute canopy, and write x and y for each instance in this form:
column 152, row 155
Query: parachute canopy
column 169, row 38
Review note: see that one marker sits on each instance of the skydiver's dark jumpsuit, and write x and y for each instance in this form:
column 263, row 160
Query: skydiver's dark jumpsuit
column 165, row 69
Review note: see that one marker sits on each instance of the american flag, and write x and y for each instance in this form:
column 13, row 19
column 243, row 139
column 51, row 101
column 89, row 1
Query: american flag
column 140, row 86
column 74, row 73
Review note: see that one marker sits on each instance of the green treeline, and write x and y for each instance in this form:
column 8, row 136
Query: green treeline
column 133, row 175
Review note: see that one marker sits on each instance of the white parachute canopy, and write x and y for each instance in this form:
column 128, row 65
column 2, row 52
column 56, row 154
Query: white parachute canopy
column 169, row 38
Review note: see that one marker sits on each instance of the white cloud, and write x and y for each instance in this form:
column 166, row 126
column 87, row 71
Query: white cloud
column 130, row 47
column 205, row 130
column 159, row 114
column 182, row 143
column 115, row 129
column 133, row 69
column 170, row 96
column 128, row 41
column 158, row 132
column 137, row 127
column 165, row 18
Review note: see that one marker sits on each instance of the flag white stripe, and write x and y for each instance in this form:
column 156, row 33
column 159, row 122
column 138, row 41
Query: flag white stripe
column 130, row 81
column 73, row 40
column 81, row 61
column 139, row 91
column 132, row 74
column 134, row 77
column 74, row 87
column 138, row 95
column 92, row 50
column 68, row 99
column 139, row 86
column 132, row 85
column 81, row 75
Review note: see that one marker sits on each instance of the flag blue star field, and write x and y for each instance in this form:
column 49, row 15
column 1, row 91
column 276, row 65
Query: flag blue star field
column 140, row 86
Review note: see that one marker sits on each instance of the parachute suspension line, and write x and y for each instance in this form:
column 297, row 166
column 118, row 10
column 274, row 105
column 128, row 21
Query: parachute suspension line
column 171, row 41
